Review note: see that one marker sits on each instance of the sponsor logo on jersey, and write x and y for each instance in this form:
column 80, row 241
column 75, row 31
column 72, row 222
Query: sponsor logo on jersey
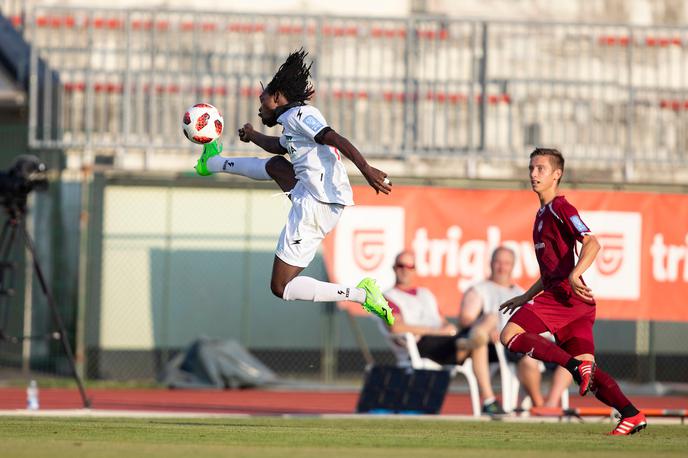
column 313, row 123
column 579, row 224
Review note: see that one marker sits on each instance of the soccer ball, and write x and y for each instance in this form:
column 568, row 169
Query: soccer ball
column 202, row 123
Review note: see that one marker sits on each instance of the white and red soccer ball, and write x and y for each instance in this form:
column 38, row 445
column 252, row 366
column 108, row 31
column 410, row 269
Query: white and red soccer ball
column 202, row 123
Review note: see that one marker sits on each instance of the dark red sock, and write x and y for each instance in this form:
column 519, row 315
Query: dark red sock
column 608, row 391
column 539, row 348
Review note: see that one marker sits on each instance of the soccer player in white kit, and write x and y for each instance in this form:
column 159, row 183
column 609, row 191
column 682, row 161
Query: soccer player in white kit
column 315, row 178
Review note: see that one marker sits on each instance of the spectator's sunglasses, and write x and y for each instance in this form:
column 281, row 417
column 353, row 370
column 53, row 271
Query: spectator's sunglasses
column 404, row 266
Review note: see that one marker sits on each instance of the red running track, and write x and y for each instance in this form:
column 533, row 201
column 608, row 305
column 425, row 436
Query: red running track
column 256, row 402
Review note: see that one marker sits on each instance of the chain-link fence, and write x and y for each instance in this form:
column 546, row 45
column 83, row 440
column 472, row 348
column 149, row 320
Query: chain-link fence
column 178, row 263
column 169, row 262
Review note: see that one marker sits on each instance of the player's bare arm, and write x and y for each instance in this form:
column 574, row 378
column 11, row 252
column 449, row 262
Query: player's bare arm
column 268, row 143
column 587, row 256
column 515, row 303
column 375, row 177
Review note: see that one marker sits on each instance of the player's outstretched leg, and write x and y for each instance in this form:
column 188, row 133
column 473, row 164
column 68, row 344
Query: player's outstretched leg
column 211, row 162
column 367, row 293
column 287, row 284
column 276, row 168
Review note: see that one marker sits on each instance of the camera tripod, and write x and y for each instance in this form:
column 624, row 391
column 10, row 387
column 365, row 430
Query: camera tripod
column 15, row 223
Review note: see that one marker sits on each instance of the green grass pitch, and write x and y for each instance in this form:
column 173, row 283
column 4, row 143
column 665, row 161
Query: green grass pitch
column 309, row 437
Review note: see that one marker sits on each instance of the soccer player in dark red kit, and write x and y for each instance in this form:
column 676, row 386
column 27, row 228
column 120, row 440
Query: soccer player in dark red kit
column 561, row 302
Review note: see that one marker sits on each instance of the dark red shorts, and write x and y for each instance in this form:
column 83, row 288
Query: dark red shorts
column 571, row 322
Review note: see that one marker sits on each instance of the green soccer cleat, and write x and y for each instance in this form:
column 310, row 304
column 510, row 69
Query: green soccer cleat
column 209, row 150
column 375, row 302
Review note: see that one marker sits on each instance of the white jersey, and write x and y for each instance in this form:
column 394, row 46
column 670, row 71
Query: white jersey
column 493, row 295
column 318, row 167
column 419, row 309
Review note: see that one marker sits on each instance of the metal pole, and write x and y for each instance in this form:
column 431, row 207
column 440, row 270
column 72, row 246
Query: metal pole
column 471, row 160
column 90, row 87
column 409, row 84
column 628, row 163
column 82, row 288
column 482, row 79
column 651, row 354
column 126, row 91
column 152, row 95
column 643, row 349
column 28, row 297
column 33, row 86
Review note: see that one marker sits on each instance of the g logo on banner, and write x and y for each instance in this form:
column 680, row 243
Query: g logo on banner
column 611, row 256
column 366, row 241
column 369, row 248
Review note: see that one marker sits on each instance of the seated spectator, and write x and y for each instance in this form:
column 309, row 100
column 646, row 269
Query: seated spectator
column 479, row 314
column 415, row 310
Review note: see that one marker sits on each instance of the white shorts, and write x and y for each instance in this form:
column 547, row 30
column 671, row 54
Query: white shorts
column 308, row 223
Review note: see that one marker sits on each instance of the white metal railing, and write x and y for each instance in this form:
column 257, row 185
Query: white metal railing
column 394, row 86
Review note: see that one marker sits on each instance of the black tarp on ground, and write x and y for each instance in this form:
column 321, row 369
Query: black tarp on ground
column 216, row 363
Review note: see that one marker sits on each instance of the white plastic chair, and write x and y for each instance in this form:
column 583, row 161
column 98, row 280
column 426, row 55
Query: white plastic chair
column 411, row 357
column 508, row 377
column 511, row 385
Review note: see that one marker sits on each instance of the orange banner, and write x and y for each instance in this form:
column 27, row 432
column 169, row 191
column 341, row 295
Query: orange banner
column 640, row 273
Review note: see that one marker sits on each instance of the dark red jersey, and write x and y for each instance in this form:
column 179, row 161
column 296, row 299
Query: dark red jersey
column 557, row 228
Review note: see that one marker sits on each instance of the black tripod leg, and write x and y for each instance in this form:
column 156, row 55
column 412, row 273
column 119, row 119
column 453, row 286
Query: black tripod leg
column 6, row 241
column 56, row 316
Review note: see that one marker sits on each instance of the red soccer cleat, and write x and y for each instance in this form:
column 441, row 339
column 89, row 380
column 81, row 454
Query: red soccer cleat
column 630, row 425
column 586, row 371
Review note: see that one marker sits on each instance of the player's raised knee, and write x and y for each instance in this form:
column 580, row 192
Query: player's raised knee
column 507, row 334
column 278, row 167
column 277, row 288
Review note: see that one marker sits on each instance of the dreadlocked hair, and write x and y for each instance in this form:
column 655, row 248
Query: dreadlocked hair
column 291, row 80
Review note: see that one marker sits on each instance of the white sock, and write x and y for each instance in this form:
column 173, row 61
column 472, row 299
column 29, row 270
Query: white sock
column 251, row 167
column 489, row 401
column 310, row 289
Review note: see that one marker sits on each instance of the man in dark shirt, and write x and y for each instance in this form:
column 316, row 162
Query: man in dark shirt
column 562, row 303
